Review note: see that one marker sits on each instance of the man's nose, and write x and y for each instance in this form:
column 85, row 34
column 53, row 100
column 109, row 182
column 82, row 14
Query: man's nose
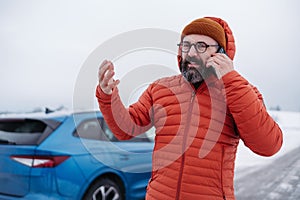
column 192, row 52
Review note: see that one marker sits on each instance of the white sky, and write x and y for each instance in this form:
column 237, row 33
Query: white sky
column 44, row 43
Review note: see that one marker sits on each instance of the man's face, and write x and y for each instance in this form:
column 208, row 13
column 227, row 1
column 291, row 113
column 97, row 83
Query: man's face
column 193, row 64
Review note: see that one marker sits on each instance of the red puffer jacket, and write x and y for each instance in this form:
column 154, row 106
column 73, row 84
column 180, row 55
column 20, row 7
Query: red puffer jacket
column 197, row 132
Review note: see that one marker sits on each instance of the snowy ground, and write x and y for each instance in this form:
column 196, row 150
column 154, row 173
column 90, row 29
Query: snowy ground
column 276, row 177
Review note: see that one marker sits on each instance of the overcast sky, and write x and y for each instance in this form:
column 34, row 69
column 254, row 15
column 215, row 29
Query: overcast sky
column 44, row 43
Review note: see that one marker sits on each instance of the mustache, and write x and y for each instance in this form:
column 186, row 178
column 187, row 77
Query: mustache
column 189, row 60
column 201, row 71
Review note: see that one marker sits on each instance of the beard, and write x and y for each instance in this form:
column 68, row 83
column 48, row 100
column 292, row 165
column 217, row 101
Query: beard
column 195, row 74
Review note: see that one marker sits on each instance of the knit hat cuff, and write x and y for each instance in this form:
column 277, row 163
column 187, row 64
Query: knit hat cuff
column 206, row 27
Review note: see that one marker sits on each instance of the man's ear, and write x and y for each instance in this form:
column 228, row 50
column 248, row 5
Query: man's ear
column 179, row 60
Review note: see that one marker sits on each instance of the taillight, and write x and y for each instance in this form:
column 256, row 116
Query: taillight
column 40, row 161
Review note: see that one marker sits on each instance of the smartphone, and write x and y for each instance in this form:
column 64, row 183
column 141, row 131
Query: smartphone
column 221, row 50
column 212, row 69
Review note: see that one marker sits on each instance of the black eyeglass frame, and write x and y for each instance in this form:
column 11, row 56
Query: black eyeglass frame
column 197, row 43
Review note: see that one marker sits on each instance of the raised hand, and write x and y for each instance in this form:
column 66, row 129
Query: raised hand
column 105, row 77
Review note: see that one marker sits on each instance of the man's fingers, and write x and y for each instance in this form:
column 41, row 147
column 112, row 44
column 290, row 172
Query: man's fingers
column 221, row 63
column 211, row 63
column 102, row 69
column 113, row 84
column 110, row 86
column 105, row 65
column 107, row 77
column 217, row 60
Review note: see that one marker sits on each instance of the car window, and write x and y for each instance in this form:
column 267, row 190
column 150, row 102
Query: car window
column 109, row 134
column 97, row 129
column 21, row 131
column 141, row 138
column 90, row 129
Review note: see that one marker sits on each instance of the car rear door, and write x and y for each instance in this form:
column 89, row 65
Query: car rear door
column 18, row 141
column 14, row 176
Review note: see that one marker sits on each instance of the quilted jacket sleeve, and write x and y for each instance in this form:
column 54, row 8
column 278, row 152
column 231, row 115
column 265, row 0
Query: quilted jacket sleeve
column 125, row 123
column 256, row 127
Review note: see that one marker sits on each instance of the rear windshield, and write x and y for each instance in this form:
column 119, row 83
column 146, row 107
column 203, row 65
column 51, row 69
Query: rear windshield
column 23, row 132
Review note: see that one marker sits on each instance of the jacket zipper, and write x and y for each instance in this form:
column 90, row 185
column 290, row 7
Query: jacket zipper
column 186, row 130
column 222, row 160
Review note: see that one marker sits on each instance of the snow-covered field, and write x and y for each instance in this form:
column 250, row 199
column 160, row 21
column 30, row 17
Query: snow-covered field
column 276, row 177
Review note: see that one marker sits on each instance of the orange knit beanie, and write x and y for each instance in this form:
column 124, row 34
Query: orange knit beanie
column 208, row 27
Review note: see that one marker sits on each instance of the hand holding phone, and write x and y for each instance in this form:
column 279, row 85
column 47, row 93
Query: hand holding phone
column 220, row 62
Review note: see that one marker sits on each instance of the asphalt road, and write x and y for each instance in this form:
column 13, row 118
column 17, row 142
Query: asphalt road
column 279, row 180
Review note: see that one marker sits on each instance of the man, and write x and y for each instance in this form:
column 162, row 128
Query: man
column 199, row 116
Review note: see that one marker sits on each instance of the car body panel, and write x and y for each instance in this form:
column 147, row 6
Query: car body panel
column 87, row 160
column 12, row 173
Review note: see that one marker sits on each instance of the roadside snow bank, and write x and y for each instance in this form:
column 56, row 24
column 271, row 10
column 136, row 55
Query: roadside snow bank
column 289, row 122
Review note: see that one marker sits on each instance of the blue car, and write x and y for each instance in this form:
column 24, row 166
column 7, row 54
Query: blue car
column 70, row 156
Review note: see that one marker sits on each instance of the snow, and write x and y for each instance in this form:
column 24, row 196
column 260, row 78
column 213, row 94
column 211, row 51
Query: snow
column 276, row 177
column 41, row 113
column 289, row 123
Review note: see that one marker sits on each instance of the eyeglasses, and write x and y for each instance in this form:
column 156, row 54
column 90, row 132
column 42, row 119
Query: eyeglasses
column 199, row 46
